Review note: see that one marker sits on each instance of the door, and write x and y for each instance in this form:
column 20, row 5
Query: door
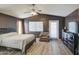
column 54, row 28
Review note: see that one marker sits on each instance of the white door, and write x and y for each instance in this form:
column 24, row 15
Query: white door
column 54, row 29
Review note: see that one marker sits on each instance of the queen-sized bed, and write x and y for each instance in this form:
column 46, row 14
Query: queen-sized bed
column 14, row 40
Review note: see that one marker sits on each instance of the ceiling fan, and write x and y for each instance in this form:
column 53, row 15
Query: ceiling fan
column 34, row 11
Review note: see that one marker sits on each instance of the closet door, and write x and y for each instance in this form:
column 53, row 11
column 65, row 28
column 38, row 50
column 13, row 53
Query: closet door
column 54, row 29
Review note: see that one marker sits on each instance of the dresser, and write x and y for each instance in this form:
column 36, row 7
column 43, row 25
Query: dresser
column 71, row 41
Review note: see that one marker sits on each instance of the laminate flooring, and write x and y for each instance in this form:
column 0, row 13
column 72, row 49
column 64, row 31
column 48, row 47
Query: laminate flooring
column 53, row 47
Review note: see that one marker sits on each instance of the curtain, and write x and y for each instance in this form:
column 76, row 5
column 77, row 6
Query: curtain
column 26, row 25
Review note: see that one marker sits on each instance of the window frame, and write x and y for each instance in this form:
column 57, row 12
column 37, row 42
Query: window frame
column 37, row 21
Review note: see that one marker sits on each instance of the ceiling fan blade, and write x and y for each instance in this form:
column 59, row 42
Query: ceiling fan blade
column 34, row 10
column 39, row 10
column 26, row 12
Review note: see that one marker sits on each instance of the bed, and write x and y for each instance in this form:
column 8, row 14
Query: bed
column 14, row 40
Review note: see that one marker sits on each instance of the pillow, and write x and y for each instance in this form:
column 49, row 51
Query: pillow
column 8, row 34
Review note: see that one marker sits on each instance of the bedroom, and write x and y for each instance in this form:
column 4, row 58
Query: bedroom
column 17, row 18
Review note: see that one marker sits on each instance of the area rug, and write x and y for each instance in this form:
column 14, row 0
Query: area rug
column 9, row 51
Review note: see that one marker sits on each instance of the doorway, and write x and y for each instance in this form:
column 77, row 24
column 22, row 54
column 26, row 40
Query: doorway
column 54, row 29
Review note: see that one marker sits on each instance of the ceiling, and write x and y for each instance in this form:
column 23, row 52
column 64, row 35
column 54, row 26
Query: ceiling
column 17, row 10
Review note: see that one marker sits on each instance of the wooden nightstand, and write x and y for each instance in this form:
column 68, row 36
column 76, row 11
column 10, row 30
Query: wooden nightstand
column 44, row 37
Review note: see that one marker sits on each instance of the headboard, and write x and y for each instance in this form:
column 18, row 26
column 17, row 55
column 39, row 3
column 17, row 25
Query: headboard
column 6, row 30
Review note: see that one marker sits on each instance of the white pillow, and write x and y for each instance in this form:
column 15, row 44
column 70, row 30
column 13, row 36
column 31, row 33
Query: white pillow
column 8, row 34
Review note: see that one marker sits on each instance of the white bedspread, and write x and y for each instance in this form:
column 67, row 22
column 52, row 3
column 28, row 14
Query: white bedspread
column 14, row 40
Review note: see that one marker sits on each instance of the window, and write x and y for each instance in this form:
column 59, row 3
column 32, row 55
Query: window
column 36, row 26
column 73, row 27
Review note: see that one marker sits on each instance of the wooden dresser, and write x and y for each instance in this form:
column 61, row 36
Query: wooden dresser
column 71, row 41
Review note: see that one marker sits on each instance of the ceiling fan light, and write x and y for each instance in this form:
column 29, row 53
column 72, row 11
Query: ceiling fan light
column 34, row 13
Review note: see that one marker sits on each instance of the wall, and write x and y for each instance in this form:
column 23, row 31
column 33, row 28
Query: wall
column 61, row 23
column 45, row 18
column 7, row 21
column 74, row 16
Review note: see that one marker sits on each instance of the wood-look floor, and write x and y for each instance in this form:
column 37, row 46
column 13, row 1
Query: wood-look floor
column 54, row 47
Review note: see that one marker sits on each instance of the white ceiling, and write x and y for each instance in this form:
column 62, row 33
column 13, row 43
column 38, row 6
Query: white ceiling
column 18, row 10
